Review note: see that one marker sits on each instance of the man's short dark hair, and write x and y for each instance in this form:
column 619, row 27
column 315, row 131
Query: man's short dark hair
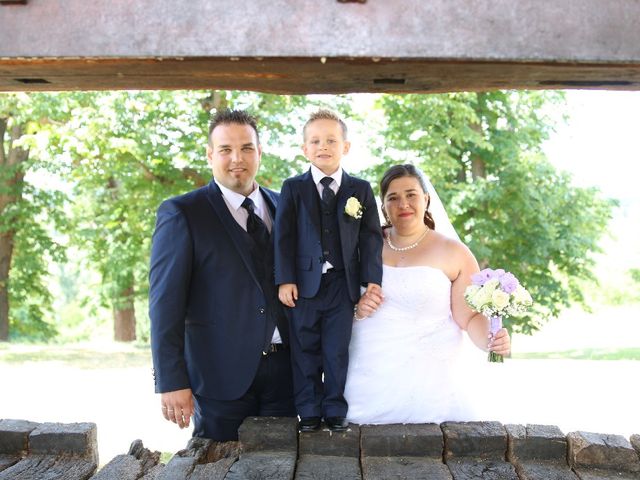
column 227, row 116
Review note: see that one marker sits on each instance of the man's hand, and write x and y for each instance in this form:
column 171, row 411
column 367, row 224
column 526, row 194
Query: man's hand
column 177, row 406
column 287, row 293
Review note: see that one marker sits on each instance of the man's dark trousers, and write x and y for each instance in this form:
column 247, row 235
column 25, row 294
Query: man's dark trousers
column 268, row 396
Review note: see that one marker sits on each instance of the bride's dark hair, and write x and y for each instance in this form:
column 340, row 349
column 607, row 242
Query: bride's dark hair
column 406, row 170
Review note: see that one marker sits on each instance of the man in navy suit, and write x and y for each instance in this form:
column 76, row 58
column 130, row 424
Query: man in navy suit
column 219, row 338
column 328, row 243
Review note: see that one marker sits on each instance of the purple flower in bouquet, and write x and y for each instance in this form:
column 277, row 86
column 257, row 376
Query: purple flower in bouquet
column 482, row 277
column 509, row 282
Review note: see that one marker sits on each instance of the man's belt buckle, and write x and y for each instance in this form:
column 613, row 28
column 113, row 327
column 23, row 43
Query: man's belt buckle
column 274, row 347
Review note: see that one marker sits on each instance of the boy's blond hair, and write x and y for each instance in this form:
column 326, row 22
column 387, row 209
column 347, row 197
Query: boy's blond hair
column 325, row 114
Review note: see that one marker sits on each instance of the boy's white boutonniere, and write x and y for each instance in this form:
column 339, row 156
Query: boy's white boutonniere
column 353, row 208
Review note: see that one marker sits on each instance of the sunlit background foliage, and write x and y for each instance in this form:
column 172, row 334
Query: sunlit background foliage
column 81, row 175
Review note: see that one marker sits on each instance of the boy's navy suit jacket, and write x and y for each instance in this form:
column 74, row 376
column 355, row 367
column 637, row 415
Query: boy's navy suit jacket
column 297, row 242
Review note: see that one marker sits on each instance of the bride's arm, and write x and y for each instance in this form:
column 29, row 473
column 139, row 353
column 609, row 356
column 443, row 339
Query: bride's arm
column 476, row 324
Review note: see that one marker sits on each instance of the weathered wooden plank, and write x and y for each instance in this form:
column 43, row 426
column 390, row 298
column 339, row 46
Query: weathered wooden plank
column 50, row 467
column 300, row 46
column 264, row 466
column 317, row 467
column 304, row 75
column 404, row 468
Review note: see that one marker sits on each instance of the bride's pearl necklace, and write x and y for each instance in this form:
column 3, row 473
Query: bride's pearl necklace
column 408, row 247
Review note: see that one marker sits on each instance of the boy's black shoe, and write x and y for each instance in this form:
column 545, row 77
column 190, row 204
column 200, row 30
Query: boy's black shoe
column 336, row 424
column 309, row 424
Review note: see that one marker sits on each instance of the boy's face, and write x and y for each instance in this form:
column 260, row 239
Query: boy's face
column 324, row 145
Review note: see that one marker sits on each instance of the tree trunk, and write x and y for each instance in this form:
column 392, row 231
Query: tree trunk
column 124, row 317
column 478, row 166
column 124, row 314
column 6, row 252
column 11, row 183
column 478, row 169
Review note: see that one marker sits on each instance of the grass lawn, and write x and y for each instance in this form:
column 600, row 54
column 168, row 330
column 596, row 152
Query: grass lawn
column 584, row 354
column 87, row 356
column 610, row 333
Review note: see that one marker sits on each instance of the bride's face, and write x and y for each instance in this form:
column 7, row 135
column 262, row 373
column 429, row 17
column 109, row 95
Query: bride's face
column 405, row 202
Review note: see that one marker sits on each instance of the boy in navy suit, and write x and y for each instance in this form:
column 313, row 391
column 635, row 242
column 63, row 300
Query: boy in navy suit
column 328, row 242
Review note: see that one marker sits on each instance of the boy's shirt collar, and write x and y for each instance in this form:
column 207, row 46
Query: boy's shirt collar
column 318, row 175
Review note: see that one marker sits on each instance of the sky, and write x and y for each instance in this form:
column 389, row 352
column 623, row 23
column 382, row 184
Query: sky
column 599, row 142
column 598, row 145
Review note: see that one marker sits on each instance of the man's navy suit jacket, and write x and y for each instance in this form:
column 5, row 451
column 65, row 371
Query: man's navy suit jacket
column 207, row 307
column 297, row 243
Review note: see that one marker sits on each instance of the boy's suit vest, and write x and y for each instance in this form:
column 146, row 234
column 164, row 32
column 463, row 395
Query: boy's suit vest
column 330, row 234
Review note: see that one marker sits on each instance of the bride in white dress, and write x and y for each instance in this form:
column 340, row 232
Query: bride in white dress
column 408, row 360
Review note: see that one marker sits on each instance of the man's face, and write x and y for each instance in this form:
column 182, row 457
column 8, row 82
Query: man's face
column 234, row 156
column 324, row 145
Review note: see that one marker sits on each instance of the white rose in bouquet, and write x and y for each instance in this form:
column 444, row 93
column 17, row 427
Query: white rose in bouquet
column 521, row 296
column 500, row 299
column 483, row 296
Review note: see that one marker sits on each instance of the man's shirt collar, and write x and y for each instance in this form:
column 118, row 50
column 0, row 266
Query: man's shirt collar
column 235, row 199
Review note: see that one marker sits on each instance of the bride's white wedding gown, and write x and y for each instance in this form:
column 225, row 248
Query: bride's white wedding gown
column 410, row 362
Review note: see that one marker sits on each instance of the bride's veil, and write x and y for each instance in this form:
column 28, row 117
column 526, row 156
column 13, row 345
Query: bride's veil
column 439, row 214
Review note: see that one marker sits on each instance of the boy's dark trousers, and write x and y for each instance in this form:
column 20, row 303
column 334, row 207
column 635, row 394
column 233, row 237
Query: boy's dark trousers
column 320, row 332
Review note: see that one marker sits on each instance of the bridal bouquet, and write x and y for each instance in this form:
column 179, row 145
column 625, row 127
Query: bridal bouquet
column 496, row 293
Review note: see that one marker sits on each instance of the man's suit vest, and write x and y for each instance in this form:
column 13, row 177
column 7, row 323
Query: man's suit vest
column 263, row 263
column 330, row 235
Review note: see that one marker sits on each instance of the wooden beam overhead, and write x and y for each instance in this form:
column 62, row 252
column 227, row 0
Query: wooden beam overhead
column 306, row 46
column 306, row 76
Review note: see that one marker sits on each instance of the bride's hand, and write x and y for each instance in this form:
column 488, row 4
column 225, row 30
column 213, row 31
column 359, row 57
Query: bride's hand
column 368, row 303
column 501, row 343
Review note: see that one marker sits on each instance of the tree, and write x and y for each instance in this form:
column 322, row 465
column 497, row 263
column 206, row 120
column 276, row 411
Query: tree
column 128, row 151
column 29, row 215
column 125, row 152
column 483, row 151
column 280, row 120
